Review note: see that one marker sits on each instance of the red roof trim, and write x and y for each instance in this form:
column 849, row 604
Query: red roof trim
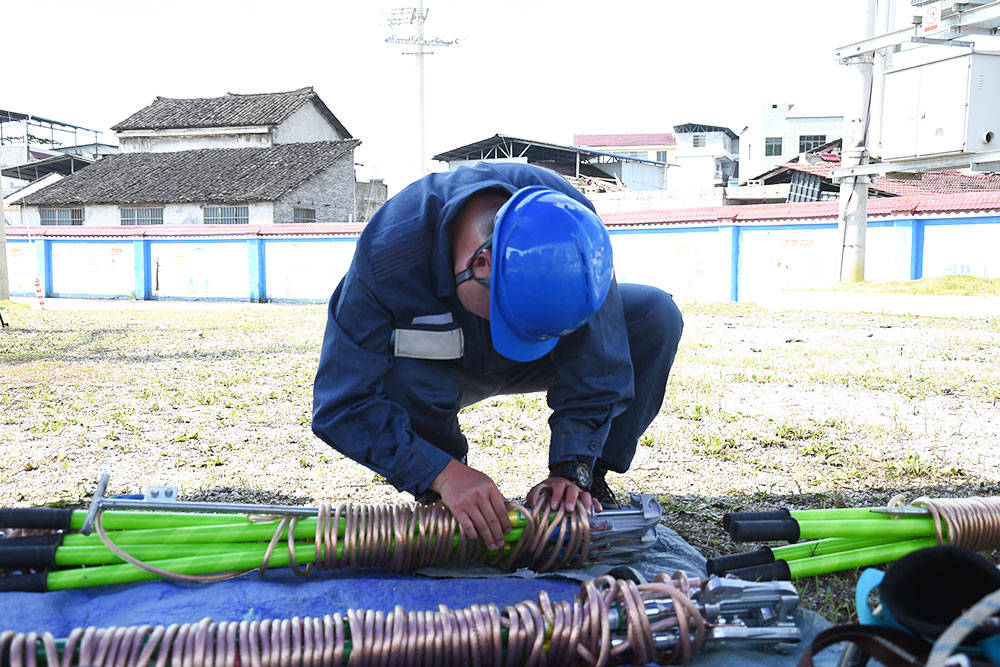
column 815, row 212
column 592, row 140
column 187, row 231
column 822, row 211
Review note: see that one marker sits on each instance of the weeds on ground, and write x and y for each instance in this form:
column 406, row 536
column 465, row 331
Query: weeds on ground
column 944, row 285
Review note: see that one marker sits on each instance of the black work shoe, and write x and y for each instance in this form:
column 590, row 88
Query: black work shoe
column 600, row 490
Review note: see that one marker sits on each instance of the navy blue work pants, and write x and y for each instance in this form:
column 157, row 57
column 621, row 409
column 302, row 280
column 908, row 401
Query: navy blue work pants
column 432, row 392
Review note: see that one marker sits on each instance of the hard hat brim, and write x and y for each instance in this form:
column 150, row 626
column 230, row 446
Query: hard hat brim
column 505, row 340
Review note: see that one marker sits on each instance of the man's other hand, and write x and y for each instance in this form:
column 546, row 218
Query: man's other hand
column 475, row 502
column 564, row 492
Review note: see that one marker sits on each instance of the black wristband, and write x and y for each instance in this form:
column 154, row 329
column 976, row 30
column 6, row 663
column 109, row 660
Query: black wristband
column 577, row 472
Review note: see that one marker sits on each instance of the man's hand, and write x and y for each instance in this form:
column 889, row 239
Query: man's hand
column 475, row 502
column 564, row 492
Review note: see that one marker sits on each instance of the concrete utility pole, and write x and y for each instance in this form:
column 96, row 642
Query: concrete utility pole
column 4, row 276
column 416, row 16
column 852, row 215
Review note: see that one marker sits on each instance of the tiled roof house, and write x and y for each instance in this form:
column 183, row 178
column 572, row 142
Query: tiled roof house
column 237, row 159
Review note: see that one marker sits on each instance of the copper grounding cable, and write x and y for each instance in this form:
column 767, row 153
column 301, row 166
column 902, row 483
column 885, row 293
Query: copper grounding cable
column 973, row 523
column 576, row 632
column 405, row 537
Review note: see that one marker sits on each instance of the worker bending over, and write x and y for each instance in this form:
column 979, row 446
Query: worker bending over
column 487, row 280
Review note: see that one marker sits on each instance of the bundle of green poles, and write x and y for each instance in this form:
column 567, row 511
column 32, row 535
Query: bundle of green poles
column 834, row 540
column 183, row 542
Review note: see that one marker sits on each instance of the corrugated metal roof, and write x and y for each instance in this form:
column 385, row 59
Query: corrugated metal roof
column 686, row 128
column 931, row 182
column 230, row 110
column 222, row 175
column 536, row 152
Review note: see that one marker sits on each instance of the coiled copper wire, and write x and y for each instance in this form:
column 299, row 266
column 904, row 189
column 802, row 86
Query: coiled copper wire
column 576, row 632
column 973, row 523
column 404, row 537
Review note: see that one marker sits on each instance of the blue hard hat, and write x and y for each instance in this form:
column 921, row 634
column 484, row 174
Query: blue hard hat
column 551, row 271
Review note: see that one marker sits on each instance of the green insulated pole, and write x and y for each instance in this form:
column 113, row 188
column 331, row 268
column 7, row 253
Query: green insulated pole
column 849, row 560
column 832, row 562
column 193, row 559
column 897, row 529
column 723, row 564
column 792, row 530
column 51, row 518
column 829, row 545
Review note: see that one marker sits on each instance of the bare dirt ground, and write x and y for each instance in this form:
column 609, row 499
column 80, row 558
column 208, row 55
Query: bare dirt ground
column 764, row 408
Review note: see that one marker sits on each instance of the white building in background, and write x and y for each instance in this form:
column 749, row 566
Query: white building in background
column 782, row 132
column 706, row 157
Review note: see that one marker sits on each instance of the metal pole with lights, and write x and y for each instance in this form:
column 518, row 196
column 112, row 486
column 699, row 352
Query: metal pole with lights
column 416, row 16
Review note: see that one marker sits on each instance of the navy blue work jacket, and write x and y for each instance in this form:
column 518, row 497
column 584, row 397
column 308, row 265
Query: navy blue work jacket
column 401, row 277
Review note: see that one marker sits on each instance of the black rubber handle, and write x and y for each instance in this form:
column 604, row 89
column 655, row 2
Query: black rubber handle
column 774, row 515
column 764, row 531
column 723, row 564
column 778, row 570
column 28, row 583
column 36, row 558
column 33, row 541
column 52, row 518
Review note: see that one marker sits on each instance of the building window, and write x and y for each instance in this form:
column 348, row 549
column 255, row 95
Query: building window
column 807, row 142
column 639, row 155
column 772, row 146
column 661, row 156
column 698, row 140
column 227, row 215
column 144, row 215
column 303, row 215
column 61, row 216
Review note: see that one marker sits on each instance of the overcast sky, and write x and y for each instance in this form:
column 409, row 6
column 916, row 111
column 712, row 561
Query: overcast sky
column 536, row 69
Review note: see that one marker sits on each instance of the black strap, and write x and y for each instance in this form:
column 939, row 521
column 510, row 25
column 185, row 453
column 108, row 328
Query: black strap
column 891, row 647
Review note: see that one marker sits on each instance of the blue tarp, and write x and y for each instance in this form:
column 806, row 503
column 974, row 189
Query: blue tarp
column 280, row 594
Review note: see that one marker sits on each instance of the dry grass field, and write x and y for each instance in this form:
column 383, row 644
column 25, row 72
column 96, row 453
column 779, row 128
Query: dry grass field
column 763, row 409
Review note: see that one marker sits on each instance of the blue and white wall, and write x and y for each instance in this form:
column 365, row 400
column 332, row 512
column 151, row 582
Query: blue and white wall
column 704, row 262
column 243, row 269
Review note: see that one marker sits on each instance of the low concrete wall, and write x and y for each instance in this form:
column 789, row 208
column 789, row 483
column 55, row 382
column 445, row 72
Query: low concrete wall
column 708, row 262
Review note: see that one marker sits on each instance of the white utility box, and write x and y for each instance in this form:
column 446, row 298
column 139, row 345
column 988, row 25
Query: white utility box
column 947, row 105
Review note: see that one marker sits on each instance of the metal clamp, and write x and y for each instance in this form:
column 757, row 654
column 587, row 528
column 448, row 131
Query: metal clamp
column 621, row 536
column 737, row 612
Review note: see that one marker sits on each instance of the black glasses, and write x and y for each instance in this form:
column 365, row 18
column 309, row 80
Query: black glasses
column 467, row 274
